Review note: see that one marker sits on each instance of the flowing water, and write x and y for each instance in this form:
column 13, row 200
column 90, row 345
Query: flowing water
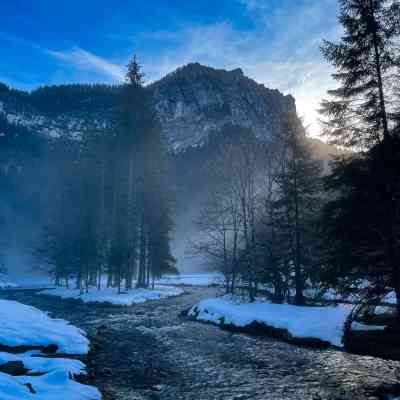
column 148, row 351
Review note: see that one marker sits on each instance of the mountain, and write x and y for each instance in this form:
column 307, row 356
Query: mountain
column 197, row 105
column 55, row 111
column 191, row 102
column 196, row 100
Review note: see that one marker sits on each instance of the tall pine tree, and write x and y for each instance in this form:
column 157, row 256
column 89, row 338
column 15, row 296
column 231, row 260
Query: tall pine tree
column 141, row 202
column 361, row 115
column 297, row 206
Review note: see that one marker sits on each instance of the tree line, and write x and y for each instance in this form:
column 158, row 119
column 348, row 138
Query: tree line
column 275, row 220
column 259, row 220
column 109, row 213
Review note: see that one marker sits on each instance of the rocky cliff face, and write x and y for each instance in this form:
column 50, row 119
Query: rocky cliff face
column 191, row 103
column 196, row 100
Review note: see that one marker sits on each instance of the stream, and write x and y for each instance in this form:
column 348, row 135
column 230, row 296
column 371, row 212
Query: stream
column 149, row 351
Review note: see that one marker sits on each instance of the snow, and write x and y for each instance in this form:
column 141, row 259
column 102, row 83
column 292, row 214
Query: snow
column 110, row 295
column 25, row 281
column 390, row 298
column 45, row 282
column 324, row 323
column 58, row 385
column 23, row 325
column 193, row 279
column 54, row 385
column 358, row 326
column 11, row 389
column 5, row 283
column 36, row 364
column 379, row 310
column 327, row 295
column 28, row 326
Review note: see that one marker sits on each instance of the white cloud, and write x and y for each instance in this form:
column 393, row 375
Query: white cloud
column 217, row 45
column 83, row 59
column 293, row 63
column 282, row 51
column 77, row 57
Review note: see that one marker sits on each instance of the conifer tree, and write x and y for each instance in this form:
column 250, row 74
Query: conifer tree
column 362, row 114
column 115, row 220
column 297, row 205
column 142, row 215
column 359, row 111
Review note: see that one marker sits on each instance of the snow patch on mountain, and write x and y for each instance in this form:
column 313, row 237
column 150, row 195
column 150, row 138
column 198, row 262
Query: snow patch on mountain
column 192, row 102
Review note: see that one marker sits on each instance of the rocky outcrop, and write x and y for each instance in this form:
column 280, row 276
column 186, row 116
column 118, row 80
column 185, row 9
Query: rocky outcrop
column 25, row 109
column 191, row 102
column 196, row 100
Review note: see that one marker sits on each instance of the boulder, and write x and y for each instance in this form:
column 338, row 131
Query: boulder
column 15, row 368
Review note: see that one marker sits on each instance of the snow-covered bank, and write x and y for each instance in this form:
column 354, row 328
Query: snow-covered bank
column 36, row 364
column 53, row 385
column 110, row 295
column 5, row 282
column 322, row 323
column 24, row 282
column 23, row 325
column 193, row 279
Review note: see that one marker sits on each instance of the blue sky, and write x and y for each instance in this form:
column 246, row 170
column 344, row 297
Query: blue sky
column 276, row 42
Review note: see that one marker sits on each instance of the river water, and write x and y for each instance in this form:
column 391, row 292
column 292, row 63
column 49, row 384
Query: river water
column 148, row 351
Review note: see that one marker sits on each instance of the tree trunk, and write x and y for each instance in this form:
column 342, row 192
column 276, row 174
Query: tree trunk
column 378, row 68
column 234, row 253
column 148, row 269
column 99, row 280
column 299, row 297
column 142, row 256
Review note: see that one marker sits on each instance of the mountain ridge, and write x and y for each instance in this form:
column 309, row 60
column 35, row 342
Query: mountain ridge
column 191, row 102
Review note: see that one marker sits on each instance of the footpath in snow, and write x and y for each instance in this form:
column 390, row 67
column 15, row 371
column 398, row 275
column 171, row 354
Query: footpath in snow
column 111, row 295
column 27, row 336
column 323, row 323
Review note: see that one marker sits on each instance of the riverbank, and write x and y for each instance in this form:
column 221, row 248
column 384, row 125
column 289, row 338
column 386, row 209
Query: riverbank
column 111, row 295
column 147, row 351
column 38, row 356
column 318, row 326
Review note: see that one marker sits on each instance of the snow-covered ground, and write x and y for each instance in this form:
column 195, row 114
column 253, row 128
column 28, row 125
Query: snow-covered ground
column 36, row 364
column 358, row 326
column 334, row 295
column 193, row 279
column 5, row 282
column 44, row 281
column 324, row 323
column 110, row 295
column 25, row 281
column 390, row 298
column 55, row 384
column 23, row 325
